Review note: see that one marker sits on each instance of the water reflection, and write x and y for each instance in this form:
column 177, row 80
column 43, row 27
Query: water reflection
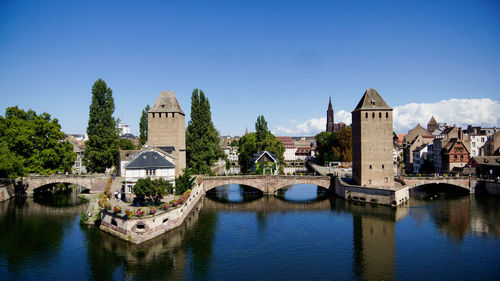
column 58, row 195
column 263, row 237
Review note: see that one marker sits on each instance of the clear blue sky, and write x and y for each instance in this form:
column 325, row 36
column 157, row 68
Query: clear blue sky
column 282, row 59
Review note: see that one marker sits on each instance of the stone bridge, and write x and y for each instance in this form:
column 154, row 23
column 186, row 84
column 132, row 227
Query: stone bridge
column 95, row 183
column 466, row 183
column 267, row 184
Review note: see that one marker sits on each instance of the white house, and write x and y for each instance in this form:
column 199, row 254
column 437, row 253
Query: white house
column 290, row 148
column 150, row 163
column 477, row 145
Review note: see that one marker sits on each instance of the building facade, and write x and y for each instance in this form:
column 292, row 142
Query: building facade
column 372, row 162
column 167, row 128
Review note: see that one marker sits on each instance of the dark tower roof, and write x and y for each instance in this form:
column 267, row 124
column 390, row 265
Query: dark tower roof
column 433, row 121
column 372, row 100
column 330, row 104
column 166, row 102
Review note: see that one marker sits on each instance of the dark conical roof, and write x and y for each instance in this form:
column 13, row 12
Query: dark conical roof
column 433, row 121
column 330, row 104
column 166, row 102
column 372, row 100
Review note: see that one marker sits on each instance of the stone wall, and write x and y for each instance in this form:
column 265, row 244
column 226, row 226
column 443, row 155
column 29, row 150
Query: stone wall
column 492, row 188
column 138, row 230
column 267, row 184
column 7, row 189
column 381, row 196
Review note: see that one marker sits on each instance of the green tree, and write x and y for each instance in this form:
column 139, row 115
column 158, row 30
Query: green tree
column 33, row 143
column 261, row 140
column 125, row 144
column 10, row 164
column 202, row 139
column 184, row 182
column 342, row 146
column 101, row 148
column 146, row 189
column 324, row 144
column 143, row 126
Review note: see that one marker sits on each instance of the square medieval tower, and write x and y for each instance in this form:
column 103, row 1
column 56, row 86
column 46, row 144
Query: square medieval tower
column 167, row 128
column 372, row 163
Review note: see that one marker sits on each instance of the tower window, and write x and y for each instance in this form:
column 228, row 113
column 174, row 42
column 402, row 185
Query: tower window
column 153, row 115
column 159, row 115
column 366, row 115
column 373, row 114
column 370, row 166
column 173, row 114
column 382, row 166
column 380, row 115
column 387, row 115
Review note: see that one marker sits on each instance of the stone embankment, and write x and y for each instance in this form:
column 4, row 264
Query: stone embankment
column 140, row 229
column 391, row 197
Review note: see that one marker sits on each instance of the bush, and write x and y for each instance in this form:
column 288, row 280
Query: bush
column 84, row 218
column 165, row 206
column 152, row 211
column 117, row 209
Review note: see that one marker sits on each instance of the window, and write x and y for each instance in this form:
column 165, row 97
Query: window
column 370, row 166
column 380, row 115
column 387, row 115
column 382, row 166
column 366, row 115
column 159, row 115
column 150, row 172
column 373, row 114
column 153, row 115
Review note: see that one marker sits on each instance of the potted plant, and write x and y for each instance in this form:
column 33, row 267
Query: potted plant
column 152, row 211
column 139, row 212
column 165, row 206
column 117, row 209
column 129, row 213
column 106, row 206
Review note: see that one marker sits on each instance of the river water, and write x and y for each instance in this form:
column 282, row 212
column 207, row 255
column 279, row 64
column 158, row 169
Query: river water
column 299, row 234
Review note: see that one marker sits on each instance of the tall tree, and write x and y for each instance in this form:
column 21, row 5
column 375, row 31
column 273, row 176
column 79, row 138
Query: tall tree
column 202, row 139
column 261, row 140
column 342, row 147
column 101, row 148
column 143, row 126
column 32, row 143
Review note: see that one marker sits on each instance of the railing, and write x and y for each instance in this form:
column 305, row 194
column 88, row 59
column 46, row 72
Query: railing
column 264, row 177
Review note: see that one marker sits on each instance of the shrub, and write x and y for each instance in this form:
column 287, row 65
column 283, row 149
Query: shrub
column 117, row 209
column 129, row 213
column 175, row 203
column 152, row 210
column 84, row 218
column 165, row 206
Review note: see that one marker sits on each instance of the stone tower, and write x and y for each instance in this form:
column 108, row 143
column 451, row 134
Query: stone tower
column 432, row 125
column 372, row 164
column 329, row 117
column 167, row 128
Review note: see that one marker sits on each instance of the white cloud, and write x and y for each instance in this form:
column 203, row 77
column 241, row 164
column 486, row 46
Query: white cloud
column 313, row 125
column 462, row 112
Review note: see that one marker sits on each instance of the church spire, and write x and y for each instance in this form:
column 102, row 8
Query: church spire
column 329, row 117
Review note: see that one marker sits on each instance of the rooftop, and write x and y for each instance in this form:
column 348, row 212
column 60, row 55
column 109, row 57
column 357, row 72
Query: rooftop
column 372, row 100
column 149, row 159
column 166, row 102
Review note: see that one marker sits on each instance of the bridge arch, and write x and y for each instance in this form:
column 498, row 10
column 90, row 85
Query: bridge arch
column 462, row 183
column 267, row 184
column 92, row 183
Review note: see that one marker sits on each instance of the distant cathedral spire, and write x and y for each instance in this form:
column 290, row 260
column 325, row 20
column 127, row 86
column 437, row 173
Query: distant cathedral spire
column 329, row 117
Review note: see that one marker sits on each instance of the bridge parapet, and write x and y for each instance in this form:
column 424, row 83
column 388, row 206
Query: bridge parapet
column 95, row 183
column 462, row 182
column 266, row 183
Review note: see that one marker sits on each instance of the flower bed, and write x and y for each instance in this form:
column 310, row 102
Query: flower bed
column 152, row 211
column 117, row 209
